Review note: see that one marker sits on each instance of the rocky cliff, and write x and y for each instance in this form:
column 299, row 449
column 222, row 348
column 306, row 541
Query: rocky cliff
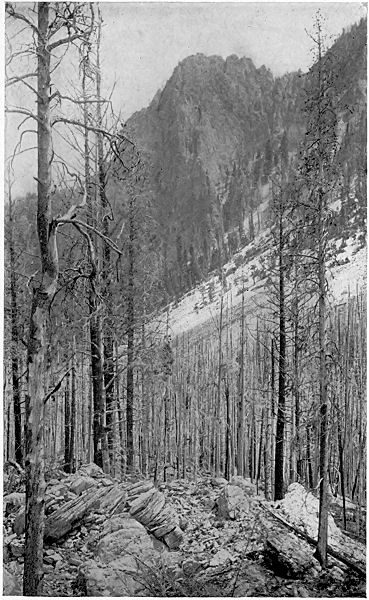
column 210, row 139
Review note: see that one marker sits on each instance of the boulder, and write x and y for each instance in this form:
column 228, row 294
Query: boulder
column 60, row 522
column 114, row 524
column 111, row 580
column 141, row 487
column 162, row 530
column 167, row 517
column 191, row 566
column 142, row 501
column 57, row 489
column 81, row 484
column 221, row 558
column 13, row 501
column 302, row 509
column 91, row 470
column 124, row 550
column 153, row 510
column 115, row 499
column 219, row 482
column 106, row 481
column 129, row 538
column 12, row 586
column 232, row 502
column 174, row 538
column 245, row 484
column 19, row 524
column 16, row 548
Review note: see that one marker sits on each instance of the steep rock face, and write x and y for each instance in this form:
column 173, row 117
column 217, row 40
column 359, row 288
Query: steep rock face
column 210, row 139
column 204, row 132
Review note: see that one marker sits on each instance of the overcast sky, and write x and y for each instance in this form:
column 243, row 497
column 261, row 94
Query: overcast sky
column 144, row 41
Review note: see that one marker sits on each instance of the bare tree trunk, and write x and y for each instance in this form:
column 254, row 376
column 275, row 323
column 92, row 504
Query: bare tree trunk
column 217, row 448
column 279, row 447
column 96, row 342
column 241, row 399
column 105, row 274
column 73, row 410
column 321, row 550
column 67, row 426
column 37, row 342
column 130, row 336
column 14, row 341
column 227, row 467
column 268, row 442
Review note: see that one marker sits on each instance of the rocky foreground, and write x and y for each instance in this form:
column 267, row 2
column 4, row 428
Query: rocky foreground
column 183, row 538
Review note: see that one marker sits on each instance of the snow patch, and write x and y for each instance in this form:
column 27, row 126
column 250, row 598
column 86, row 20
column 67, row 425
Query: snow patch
column 247, row 272
column 302, row 510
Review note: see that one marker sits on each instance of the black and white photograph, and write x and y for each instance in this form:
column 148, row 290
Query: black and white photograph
column 184, row 299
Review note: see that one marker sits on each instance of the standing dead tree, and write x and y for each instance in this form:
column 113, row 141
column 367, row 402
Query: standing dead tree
column 58, row 26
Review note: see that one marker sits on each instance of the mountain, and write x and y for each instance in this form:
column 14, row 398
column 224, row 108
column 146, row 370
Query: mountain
column 210, row 138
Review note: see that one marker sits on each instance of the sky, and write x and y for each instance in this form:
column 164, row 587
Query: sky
column 144, row 41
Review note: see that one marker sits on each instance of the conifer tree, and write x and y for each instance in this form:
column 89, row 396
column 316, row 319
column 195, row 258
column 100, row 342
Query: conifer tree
column 319, row 176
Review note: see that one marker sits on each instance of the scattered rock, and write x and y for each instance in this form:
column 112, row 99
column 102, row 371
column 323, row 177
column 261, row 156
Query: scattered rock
column 174, row 538
column 302, row 592
column 191, row 566
column 219, row 482
column 111, row 580
column 12, row 585
column 13, row 501
column 56, row 489
column 16, row 548
column 81, row 484
column 91, row 470
column 19, row 524
column 106, row 482
column 209, row 504
column 75, row 562
column 337, row 574
column 222, row 557
column 48, row 568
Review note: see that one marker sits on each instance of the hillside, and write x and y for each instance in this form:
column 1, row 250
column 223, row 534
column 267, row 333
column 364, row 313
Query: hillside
column 197, row 312
column 211, row 137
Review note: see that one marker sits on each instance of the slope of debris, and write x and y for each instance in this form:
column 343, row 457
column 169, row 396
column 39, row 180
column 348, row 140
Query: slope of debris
column 208, row 537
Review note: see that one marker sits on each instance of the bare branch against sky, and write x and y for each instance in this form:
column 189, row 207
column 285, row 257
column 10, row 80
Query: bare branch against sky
column 143, row 42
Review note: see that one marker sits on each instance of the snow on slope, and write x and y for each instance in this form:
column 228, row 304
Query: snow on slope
column 249, row 268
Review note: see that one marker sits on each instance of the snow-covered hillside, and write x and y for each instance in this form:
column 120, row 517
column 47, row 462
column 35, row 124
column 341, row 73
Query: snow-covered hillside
column 249, row 269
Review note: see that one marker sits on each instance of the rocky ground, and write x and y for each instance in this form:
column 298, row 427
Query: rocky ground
column 183, row 538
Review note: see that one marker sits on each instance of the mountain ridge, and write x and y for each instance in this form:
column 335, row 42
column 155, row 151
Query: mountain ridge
column 210, row 137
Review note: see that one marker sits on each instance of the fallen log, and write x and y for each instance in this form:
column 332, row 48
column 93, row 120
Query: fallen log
column 313, row 542
column 288, row 555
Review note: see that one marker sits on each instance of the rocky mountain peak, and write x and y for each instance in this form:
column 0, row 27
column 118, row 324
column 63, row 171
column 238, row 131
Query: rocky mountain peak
column 212, row 134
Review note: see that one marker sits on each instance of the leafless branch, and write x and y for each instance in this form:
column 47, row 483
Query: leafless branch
column 22, row 111
column 9, row 8
column 77, row 223
column 19, row 79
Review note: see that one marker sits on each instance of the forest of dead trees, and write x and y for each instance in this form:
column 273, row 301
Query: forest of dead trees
column 91, row 372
